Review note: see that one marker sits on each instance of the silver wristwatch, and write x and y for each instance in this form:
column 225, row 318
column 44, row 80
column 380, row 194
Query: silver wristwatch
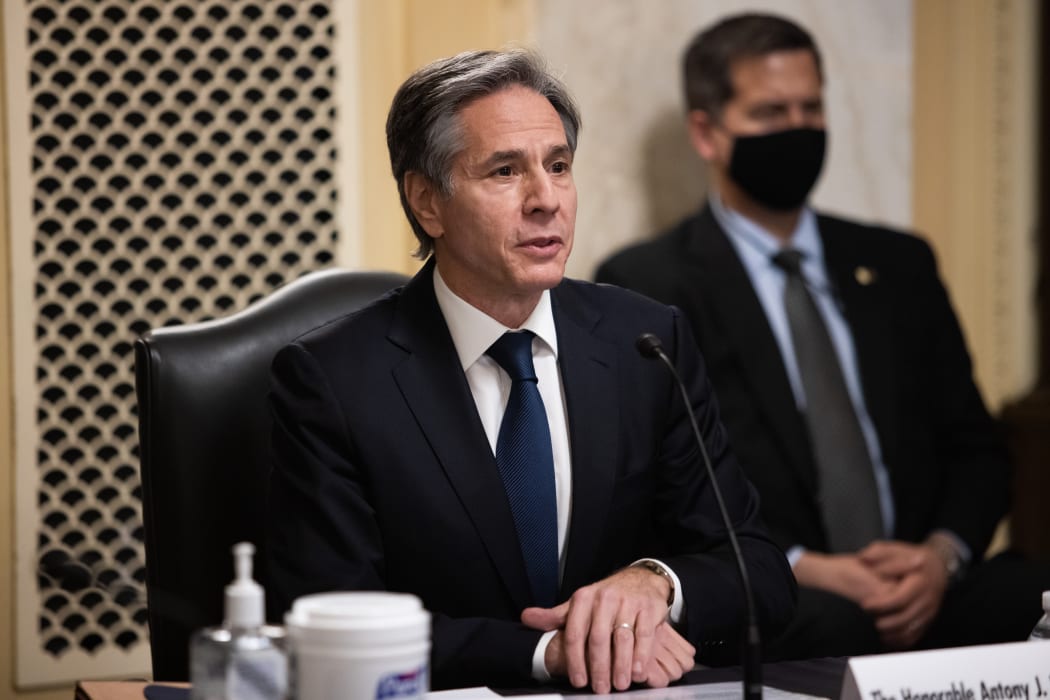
column 660, row 570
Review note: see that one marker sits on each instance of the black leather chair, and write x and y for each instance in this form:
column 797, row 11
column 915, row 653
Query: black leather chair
column 203, row 439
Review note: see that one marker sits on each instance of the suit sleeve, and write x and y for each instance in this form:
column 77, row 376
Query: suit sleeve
column 637, row 269
column 323, row 533
column 690, row 521
column 608, row 273
column 971, row 455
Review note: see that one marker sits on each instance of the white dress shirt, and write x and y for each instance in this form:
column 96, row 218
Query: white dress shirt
column 473, row 332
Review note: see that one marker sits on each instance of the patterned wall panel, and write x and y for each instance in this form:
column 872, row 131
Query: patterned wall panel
column 181, row 164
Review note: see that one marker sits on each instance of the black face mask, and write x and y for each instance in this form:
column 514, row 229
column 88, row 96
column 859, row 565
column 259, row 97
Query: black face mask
column 779, row 169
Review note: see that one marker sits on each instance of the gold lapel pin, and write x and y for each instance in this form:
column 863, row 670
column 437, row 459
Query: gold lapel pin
column 864, row 275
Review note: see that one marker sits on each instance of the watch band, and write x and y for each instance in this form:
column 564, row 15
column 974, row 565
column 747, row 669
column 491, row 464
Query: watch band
column 949, row 556
column 656, row 568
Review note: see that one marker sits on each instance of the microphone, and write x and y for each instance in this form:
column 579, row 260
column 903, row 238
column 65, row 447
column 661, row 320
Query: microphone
column 650, row 347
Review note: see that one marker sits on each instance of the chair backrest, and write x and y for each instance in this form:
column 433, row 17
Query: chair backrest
column 204, row 429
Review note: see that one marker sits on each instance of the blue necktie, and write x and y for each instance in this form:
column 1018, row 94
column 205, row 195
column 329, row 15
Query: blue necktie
column 526, row 465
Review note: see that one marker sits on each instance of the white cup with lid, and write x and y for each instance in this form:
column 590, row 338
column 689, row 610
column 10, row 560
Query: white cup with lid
column 361, row 645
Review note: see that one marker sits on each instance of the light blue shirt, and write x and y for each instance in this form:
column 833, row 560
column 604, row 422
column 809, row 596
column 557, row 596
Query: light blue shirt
column 756, row 247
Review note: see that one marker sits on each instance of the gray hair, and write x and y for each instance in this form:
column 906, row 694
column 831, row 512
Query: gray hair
column 424, row 132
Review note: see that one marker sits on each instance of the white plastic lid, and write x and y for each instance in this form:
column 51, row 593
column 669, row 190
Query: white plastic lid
column 244, row 597
column 1046, row 602
column 358, row 619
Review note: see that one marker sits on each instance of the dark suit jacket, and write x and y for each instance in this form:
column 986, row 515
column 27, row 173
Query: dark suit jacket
column 383, row 477
column 946, row 462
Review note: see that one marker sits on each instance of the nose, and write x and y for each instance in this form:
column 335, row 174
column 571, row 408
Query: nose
column 797, row 118
column 540, row 193
column 801, row 116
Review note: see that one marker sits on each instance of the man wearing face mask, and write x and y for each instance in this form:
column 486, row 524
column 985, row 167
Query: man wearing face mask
column 841, row 368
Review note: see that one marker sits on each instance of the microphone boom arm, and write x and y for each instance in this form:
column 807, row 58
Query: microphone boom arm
column 650, row 346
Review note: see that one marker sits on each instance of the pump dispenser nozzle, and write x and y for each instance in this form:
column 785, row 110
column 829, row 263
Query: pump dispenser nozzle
column 244, row 597
column 245, row 657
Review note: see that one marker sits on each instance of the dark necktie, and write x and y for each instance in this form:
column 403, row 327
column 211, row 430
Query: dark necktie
column 848, row 494
column 526, row 465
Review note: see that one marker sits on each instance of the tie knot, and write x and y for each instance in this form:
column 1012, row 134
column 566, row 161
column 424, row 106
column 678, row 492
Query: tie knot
column 789, row 260
column 513, row 352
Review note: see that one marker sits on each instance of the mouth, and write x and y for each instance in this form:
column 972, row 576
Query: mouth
column 542, row 244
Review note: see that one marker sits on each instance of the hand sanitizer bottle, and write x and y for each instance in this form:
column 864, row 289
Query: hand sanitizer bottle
column 244, row 658
column 1042, row 628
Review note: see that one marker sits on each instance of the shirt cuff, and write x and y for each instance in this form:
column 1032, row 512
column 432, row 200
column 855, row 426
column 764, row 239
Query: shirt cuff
column 960, row 547
column 539, row 663
column 677, row 609
column 794, row 554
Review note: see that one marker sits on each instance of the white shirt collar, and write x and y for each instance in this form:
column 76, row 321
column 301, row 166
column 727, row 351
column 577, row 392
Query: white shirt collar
column 474, row 331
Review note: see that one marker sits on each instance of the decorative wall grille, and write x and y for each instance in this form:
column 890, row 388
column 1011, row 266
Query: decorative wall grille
column 182, row 165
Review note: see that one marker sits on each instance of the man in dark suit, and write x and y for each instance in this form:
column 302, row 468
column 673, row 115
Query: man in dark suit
column 840, row 367
column 399, row 430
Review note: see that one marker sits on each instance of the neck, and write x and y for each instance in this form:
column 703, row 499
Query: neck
column 778, row 222
column 511, row 311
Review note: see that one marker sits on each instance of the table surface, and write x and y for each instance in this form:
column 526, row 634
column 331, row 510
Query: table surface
column 819, row 677
column 124, row 690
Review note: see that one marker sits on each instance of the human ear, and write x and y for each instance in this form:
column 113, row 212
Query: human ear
column 424, row 201
column 701, row 127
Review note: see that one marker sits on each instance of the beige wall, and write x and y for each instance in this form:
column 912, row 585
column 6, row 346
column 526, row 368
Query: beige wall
column 974, row 175
column 397, row 37
column 7, row 451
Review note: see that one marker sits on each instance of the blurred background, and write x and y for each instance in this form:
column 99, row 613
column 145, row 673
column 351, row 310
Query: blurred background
column 169, row 161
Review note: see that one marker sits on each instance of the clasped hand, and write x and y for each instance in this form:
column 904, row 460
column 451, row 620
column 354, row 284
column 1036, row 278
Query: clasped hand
column 901, row 585
column 905, row 609
column 614, row 632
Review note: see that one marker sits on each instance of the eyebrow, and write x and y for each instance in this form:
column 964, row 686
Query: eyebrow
column 784, row 101
column 559, row 151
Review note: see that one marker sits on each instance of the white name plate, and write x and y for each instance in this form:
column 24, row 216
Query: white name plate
column 993, row 672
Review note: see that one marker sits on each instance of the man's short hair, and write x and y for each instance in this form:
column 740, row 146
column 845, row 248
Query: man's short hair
column 424, row 129
column 709, row 58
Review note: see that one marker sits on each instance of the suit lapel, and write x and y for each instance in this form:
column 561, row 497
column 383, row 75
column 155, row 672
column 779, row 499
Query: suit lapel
column 437, row 393
column 860, row 286
column 725, row 288
column 588, row 373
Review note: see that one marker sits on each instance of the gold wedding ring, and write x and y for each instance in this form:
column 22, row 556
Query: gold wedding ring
column 627, row 626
